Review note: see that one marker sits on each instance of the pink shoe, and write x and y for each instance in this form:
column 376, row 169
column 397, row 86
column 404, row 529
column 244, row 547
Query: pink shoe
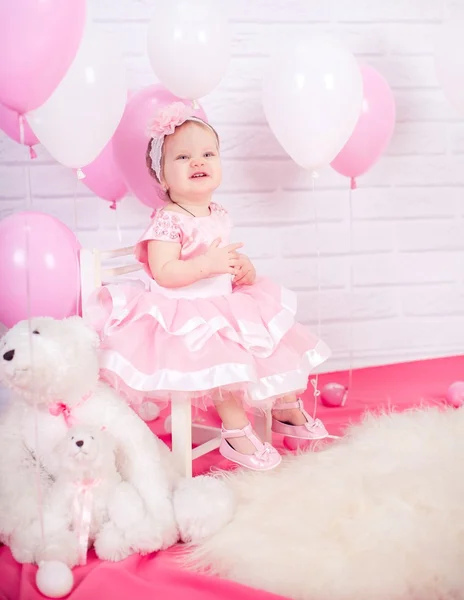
column 313, row 429
column 265, row 458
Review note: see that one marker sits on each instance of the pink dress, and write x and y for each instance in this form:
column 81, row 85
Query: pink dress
column 199, row 340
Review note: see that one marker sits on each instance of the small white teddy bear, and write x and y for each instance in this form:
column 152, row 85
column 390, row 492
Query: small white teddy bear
column 89, row 503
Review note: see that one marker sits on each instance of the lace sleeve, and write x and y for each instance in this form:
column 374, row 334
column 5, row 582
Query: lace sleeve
column 164, row 228
column 218, row 209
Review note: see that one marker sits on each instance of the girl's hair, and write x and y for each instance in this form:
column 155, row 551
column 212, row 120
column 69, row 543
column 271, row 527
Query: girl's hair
column 148, row 161
column 147, row 153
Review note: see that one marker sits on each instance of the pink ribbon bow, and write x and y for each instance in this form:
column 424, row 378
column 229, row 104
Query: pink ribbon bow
column 60, row 408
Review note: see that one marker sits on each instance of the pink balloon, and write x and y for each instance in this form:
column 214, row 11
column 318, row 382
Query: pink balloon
column 38, row 42
column 39, row 268
column 334, row 394
column 455, row 394
column 10, row 124
column 104, row 178
column 131, row 139
column 373, row 130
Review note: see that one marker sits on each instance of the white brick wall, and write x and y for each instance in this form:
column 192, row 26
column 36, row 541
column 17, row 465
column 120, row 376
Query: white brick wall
column 404, row 281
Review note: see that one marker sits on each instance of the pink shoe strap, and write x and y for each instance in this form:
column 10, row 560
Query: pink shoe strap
column 247, row 431
column 285, row 405
column 298, row 404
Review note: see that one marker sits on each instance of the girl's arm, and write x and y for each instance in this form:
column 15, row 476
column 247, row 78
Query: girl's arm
column 170, row 271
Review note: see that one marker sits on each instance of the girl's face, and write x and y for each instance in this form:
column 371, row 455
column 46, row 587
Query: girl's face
column 191, row 168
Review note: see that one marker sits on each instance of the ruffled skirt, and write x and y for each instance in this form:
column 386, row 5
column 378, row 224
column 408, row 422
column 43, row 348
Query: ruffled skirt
column 167, row 349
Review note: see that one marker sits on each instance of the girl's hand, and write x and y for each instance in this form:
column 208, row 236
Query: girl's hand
column 222, row 260
column 246, row 274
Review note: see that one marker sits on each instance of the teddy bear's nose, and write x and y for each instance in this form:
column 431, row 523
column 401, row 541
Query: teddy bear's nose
column 8, row 355
column 79, row 443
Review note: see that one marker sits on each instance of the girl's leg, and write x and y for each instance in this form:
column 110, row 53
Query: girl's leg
column 294, row 416
column 295, row 421
column 233, row 416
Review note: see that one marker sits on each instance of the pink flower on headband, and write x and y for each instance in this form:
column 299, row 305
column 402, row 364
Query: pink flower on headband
column 169, row 118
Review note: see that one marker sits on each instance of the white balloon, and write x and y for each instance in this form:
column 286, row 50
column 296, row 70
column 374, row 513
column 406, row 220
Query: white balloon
column 312, row 97
column 82, row 114
column 449, row 62
column 189, row 46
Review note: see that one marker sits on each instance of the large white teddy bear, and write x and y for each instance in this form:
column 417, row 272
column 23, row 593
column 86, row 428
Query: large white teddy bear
column 52, row 369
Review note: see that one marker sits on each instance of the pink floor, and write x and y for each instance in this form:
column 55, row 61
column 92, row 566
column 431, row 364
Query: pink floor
column 159, row 576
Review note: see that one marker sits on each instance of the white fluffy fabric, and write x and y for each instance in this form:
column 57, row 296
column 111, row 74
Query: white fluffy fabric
column 378, row 515
column 202, row 505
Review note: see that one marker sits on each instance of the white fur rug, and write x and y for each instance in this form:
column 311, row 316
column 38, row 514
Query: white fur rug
column 378, row 515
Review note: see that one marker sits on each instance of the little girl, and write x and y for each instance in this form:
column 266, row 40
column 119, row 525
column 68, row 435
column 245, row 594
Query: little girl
column 207, row 329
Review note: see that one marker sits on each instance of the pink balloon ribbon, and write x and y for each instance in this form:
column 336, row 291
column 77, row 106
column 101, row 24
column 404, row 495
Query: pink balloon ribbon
column 17, row 128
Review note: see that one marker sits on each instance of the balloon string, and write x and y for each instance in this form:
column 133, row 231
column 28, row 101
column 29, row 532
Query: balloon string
column 351, row 287
column 78, row 283
column 75, row 207
column 318, row 257
column 38, row 476
column 118, row 225
column 28, row 186
column 315, row 381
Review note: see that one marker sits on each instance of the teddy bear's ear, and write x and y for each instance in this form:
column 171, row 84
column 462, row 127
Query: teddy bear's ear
column 83, row 331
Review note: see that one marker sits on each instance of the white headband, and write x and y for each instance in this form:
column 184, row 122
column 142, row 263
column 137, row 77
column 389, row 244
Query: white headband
column 164, row 124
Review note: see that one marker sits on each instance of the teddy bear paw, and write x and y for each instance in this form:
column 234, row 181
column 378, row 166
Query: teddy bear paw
column 111, row 544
